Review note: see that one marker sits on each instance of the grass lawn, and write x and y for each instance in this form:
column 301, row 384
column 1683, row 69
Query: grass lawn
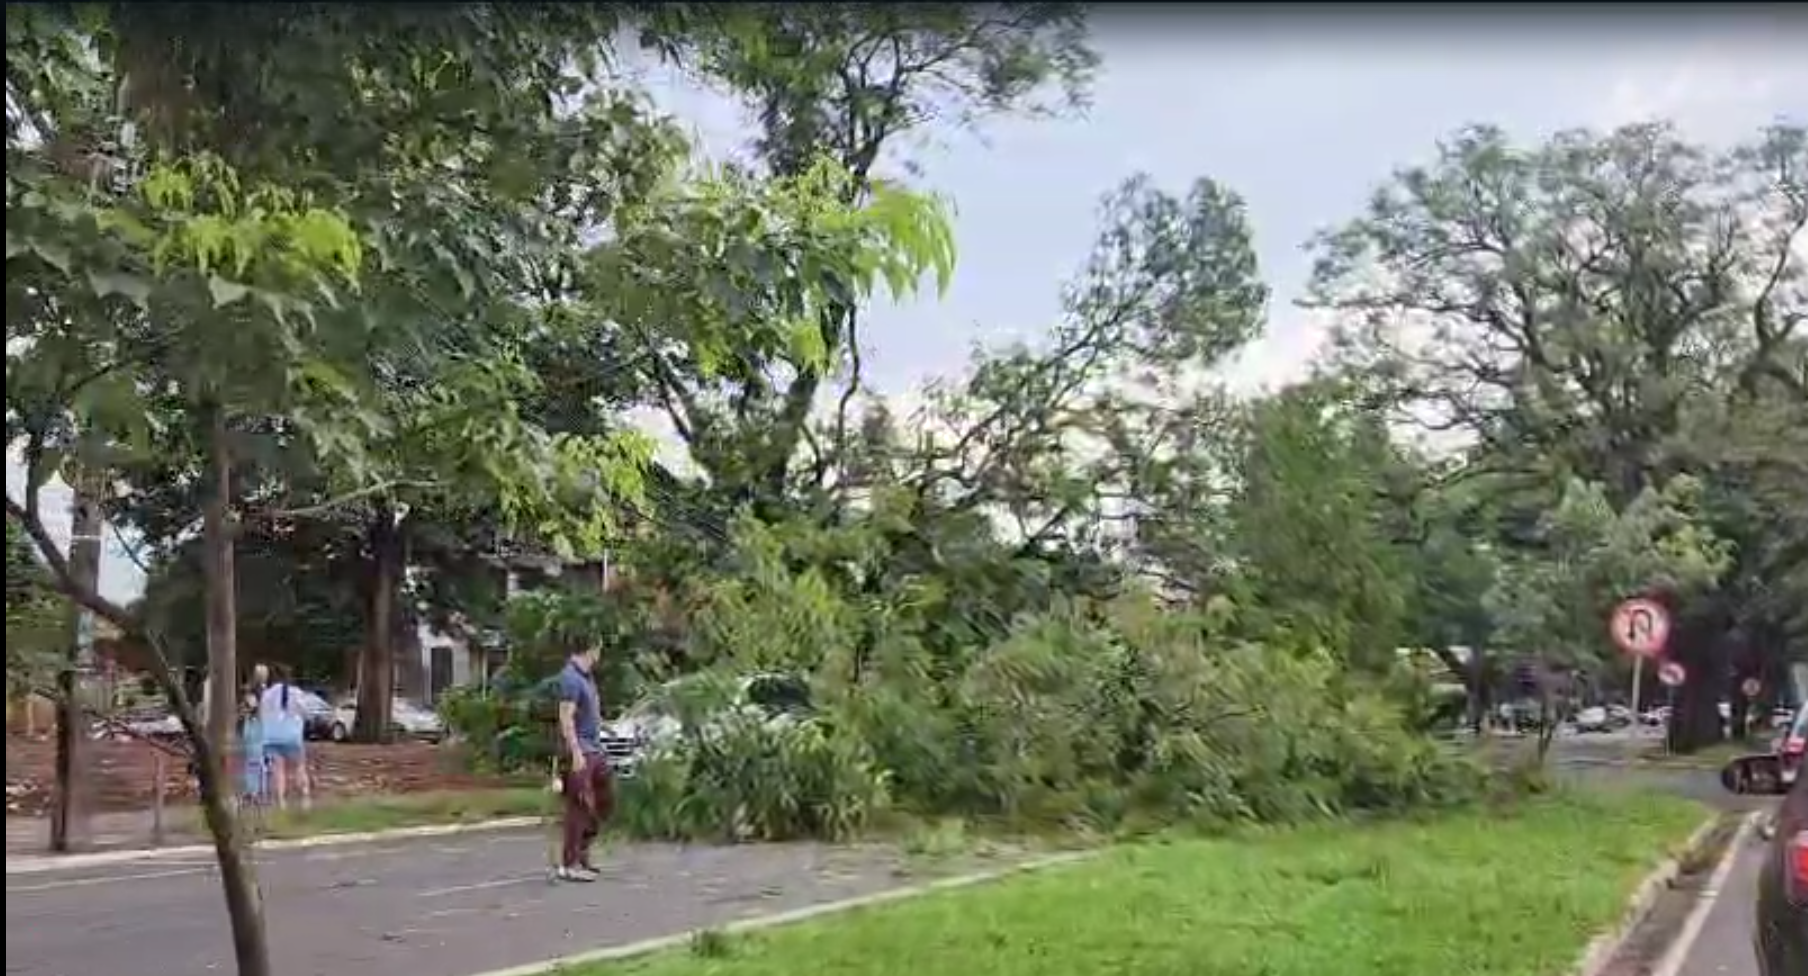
column 407, row 810
column 1471, row 895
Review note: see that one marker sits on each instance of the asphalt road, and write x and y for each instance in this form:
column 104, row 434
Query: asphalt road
column 427, row 907
column 453, row 906
column 1725, row 945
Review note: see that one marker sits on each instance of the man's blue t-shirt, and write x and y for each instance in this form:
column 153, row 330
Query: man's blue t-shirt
column 576, row 686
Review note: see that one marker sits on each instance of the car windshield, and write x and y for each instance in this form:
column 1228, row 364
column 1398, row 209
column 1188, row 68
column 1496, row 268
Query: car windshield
column 1799, row 729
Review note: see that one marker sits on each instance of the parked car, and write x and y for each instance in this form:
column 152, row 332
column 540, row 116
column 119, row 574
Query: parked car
column 654, row 721
column 406, row 719
column 317, row 714
column 1594, row 718
column 1781, row 933
column 149, row 723
column 1783, row 891
column 1791, row 746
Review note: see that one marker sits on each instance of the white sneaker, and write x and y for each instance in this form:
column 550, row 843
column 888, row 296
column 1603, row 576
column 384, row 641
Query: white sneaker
column 575, row 874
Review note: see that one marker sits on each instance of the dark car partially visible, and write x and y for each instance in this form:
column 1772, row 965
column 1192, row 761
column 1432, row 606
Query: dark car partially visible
column 1782, row 929
column 1793, row 745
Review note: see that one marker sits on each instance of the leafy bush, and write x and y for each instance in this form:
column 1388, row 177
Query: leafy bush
column 744, row 778
column 1082, row 715
column 511, row 726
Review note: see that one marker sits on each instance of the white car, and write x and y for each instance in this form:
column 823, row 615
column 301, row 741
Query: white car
column 1593, row 719
column 158, row 727
column 654, row 721
column 406, row 717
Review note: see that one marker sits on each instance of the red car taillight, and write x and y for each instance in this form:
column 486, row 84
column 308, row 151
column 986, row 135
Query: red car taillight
column 1795, row 745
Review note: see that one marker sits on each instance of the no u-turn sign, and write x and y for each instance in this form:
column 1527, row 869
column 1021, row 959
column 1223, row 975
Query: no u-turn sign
column 1640, row 627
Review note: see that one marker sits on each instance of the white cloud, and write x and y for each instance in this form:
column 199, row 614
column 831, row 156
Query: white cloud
column 1715, row 93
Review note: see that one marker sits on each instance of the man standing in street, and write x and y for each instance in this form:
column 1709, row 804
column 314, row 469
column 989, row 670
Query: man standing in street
column 587, row 790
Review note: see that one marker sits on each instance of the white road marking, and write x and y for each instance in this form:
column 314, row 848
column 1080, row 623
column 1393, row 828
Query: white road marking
column 108, row 879
column 449, row 912
column 1678, row 956
column 482, row 885
column 322, row 856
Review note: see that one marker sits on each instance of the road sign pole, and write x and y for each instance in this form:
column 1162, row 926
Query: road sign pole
column 1670, row 700
column 1638, row 681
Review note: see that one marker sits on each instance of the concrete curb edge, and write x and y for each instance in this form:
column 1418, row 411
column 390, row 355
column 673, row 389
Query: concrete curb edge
column 1676, row 955
column 1604, row 947
column 794, row 916
column 39, row 864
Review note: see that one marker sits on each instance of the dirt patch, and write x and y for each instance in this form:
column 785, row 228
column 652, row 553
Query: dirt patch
column 122, row 775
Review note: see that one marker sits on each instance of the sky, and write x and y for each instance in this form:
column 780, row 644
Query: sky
column 1301, row 114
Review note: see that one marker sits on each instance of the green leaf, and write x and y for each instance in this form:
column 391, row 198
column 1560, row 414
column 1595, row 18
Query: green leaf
column 55, row 255
column 134, row 288
column 807, row 348
column 225, row 292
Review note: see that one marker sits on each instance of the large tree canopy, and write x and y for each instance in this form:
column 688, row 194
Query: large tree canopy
column 1600, row 307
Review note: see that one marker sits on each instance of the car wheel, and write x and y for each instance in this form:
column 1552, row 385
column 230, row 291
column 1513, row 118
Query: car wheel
column 339, row 732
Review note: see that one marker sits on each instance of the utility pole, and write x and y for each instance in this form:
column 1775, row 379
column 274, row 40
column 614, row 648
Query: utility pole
column 69, row 817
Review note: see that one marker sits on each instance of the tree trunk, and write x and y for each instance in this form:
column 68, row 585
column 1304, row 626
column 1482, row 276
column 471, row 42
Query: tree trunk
column 1471, row 672
column 69, row 818
column 1547, row 723
column 376, row 670
column 238, row 879
column 222, row 598
column 238, row 876
column 412, row 680
column 1695, row 643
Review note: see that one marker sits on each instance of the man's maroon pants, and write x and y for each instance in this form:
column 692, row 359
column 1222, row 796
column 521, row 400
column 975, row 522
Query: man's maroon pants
column 589, row 798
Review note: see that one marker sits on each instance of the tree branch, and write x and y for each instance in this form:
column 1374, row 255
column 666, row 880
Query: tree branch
column 129, row 624
column 339, row 501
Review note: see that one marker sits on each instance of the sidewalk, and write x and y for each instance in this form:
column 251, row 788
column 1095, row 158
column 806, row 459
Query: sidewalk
column 30, row 836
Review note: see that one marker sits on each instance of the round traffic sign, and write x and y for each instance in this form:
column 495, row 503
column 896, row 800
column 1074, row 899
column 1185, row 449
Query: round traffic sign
column 1640, row 627
column 1672, row 674
column 1751, row 687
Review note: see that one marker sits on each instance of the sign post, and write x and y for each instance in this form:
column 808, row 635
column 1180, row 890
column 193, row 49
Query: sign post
column 1640, row 628
column 1638, row 685
column 1672, row 675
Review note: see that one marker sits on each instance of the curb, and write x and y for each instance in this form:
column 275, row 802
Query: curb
column 71, row 862
column 664, row 942
column 1604, row 947
column 1677, row 954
